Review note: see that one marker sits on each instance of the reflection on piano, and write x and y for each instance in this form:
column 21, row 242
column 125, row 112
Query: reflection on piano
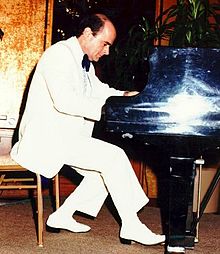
column 178, row 111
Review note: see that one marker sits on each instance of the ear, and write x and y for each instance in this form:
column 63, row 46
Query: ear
column 87, row 32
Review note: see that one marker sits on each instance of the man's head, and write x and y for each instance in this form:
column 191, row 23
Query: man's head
column 96, row 34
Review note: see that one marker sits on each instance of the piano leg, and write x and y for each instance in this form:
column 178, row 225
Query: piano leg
column 182, row 174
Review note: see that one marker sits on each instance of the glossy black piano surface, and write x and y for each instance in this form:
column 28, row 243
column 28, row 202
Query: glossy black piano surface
column 179, row 111
column 181, row 97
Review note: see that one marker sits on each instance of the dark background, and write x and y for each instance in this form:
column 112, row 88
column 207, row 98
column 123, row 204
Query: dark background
column 124, row 14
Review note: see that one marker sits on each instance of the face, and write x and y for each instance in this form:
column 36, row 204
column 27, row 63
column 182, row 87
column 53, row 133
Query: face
column 99, row 44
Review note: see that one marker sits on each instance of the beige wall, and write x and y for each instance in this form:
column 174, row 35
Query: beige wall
column 25, row 38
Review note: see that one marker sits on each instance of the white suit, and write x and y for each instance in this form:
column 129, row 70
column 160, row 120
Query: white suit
column 56, row 128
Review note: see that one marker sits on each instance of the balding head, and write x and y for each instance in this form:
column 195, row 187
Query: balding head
column 95, row 22
column 96, row 34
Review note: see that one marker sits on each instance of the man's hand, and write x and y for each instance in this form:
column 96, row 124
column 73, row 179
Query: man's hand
column 130, row 93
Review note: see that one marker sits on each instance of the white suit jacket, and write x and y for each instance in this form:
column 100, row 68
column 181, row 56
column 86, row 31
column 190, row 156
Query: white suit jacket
column 62, row 105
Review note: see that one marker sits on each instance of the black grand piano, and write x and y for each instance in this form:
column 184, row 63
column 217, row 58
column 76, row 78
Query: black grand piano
column 178, row 111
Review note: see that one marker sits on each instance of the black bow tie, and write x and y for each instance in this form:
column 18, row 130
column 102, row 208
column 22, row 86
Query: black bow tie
column 85, row 63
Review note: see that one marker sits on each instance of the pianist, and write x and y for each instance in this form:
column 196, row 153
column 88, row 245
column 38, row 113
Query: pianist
column 64, row 101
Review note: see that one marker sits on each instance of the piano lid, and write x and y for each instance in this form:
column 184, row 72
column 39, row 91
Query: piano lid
column 181, row 96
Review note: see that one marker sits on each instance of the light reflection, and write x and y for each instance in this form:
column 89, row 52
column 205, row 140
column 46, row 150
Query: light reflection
column 184, row 107
column 188, row 111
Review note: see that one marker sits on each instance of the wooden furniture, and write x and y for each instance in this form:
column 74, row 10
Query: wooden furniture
column 15, row 177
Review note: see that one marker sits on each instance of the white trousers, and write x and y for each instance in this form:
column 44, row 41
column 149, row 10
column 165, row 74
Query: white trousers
column 106, row 169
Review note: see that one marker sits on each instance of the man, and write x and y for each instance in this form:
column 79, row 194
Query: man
column 64, row 101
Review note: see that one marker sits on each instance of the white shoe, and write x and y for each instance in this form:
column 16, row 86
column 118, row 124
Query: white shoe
column 141, row 234
column 56, row 222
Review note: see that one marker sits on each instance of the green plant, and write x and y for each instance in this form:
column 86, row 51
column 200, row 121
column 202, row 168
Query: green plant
column 191, row 23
